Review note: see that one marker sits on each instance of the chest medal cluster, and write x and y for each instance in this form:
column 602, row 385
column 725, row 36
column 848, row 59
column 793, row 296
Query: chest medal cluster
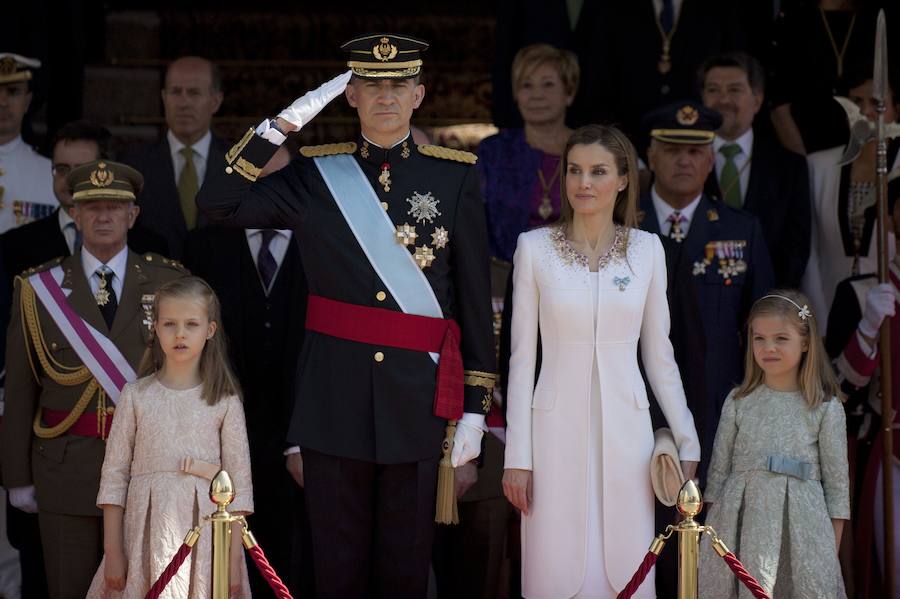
column 423, row 209
column 728, row 254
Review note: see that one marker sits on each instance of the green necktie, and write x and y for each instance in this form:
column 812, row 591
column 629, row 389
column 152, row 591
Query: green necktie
column 187, row 188
column 730, row 179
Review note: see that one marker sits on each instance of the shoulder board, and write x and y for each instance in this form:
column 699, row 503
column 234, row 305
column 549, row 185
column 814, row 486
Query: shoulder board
column 348, row 147
column 43, row 267
column 163, row 262
column 448, row 154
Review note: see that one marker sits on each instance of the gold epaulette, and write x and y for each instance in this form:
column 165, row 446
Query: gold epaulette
column 162, row 261
column 448, row 154
column 42, row 267
column 348, row 147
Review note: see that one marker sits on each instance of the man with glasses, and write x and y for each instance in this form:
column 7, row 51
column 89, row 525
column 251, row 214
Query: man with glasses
column 77, row 143
column 25, row 192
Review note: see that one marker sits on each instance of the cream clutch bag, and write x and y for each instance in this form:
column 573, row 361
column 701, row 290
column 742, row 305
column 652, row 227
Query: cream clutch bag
column 665, row 467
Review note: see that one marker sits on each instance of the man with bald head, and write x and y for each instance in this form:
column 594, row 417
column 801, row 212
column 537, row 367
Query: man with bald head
column 176, row 167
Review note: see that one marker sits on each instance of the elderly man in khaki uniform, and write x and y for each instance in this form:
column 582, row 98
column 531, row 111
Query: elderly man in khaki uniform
column 78, row 331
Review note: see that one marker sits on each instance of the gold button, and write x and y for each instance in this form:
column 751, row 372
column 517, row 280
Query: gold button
column 379, row 357
column 381, row 296
column 229, row 170
column 384, row 206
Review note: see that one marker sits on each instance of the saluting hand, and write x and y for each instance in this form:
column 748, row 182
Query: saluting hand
column 311, row 103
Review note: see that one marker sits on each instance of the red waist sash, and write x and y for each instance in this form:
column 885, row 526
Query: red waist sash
column 377, row 326
column 87, row 425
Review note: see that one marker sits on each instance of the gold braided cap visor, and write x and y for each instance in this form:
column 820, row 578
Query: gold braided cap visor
column 683, row 136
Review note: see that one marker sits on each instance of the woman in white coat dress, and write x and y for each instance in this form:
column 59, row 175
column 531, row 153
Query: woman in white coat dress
column 579, row 443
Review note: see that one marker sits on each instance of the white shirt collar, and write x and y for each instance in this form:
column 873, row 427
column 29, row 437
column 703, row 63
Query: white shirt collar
column 64, row 218
column 201, row 147
column 393, row 145
column 282, row 232
column 12, row 146
column 663, row 210
column 118, row 263
column 745, row 141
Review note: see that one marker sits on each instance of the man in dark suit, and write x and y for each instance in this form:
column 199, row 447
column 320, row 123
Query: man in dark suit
column 753, row 171
column 259, row 278
column 187, row 157
column 37, row 242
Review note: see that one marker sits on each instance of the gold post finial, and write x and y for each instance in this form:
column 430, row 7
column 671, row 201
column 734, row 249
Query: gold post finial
column 689, row 501
column 221, row 490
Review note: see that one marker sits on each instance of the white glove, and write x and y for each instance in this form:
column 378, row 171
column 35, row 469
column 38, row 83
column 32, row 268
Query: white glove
column 467, row 440
column 879, row 305
column 23, row 498
column 311, row 103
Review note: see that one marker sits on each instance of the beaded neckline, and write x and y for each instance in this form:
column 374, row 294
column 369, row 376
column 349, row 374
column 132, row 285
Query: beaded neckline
column 571, row 256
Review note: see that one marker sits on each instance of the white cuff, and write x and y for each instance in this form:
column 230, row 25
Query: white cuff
column 474, row 420
column 269, row 133
column 864, row 346
column 291, row 450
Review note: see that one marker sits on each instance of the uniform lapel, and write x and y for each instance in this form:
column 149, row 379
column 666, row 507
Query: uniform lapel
column 699, row 233
column 132, row 289
column 81, row 299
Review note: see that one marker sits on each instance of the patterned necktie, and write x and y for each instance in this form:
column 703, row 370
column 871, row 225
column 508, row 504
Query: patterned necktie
column 76, row 246
column 667, row 16
column 106, row 295
column 187, row 187
column 730, row 178
column 675, row 232
column 265, row 261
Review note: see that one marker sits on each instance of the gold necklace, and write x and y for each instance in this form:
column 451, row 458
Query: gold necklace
column 838, row 56
column 545, row 209
column 665, row 59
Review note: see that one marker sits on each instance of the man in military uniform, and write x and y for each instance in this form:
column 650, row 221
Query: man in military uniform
column 26, row 193
column 78, row 330
column 718, row 265
column 394, row 246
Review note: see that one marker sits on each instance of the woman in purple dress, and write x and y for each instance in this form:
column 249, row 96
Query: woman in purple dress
column 520, row 167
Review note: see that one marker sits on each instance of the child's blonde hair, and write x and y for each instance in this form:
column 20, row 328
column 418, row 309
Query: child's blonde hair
column 817, row 380
column 215, row 370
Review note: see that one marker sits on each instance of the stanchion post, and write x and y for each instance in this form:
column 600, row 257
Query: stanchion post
column 689, row 504
column 221, row 492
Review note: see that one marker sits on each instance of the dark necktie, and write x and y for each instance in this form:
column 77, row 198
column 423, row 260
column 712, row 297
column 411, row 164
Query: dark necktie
column 76, row 247
column 730, row 177
column 106, row 295
column 667, row 16
column 187, row 188
column 265, row 261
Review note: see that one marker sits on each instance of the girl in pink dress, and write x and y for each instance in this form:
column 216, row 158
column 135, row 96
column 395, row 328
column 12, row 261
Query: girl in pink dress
column 173, row 430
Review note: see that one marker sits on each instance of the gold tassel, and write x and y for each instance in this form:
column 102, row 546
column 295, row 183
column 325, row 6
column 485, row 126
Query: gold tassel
column 446, row 511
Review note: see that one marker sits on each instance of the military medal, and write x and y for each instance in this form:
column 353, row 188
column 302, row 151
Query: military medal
column 423, row 207
column 406, row 234
column 385, row 177
column 102, row 295
column 700, row 266
column 424, row 256
column 439, row 238
column 545, row 208
column 665, row 61
column 740, row 266
column 147, row 306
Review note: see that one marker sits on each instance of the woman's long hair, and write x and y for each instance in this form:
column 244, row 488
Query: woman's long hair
column 816, row 377
column 216, row 375
column 616, row 143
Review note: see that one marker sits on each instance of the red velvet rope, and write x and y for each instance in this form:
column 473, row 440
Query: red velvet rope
column 738, row 568
column 170, row 571
column 639, row 576
column 259, row 558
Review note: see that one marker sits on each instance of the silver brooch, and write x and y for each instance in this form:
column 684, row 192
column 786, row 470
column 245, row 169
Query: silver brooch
column 622, row 282
column 423, row 207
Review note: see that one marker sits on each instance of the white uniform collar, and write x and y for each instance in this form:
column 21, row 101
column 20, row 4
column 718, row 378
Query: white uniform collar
column 201, row 147
column 393, row 145
column 282, row 232
column 745, row 141
column 118, row 263
column 64, row 218
column 12, row 146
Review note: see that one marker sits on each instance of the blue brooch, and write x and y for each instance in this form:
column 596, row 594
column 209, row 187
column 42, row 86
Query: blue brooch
column 622, row 282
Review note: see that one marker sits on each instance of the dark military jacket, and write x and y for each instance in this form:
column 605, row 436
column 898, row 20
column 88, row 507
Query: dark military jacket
column 357, row 400
column 65, row 470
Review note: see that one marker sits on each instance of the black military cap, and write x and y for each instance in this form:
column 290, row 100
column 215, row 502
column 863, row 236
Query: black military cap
column 684, row 122
column 104, row 180
column 385, row 56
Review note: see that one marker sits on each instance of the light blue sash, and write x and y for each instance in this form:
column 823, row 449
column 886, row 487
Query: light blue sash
column 374, row 231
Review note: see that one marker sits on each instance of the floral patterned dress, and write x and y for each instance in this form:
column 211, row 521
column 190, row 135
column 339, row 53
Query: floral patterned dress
column 777, row 477
column 153, row 430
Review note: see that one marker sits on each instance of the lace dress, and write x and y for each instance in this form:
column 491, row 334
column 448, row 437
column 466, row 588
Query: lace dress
column 153, row 430
column 777, row 477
